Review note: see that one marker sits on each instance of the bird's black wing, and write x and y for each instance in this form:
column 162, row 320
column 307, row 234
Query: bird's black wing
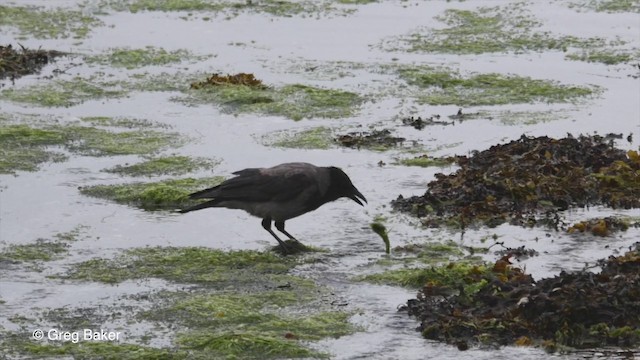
column 254, row 186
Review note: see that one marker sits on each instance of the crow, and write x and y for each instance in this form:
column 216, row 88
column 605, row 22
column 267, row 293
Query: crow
column 279, row 193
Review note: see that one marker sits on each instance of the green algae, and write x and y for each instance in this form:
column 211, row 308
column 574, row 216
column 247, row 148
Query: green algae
column 458, row 275
column 230, row 8
column 294, row 101
column 609, row 6
column 60, row 93
column 607, row 57
column 41, row 250
column 252, row 325
column 274, row 338
column 160, row 195
column 120, row 122
column 379, row 228
column 41, row 23
column 168, row 165
column 189, row 265
column 446, row 87
column 320, row 137
column 22, row 148
column 489, row 30
column 20, row 343
column 148, row 56
column 66, row 93
column 98, row 142
column 427, row 161
column 25, row 147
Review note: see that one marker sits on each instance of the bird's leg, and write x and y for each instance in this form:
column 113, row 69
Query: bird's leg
column 266, row 224
column 280, row 227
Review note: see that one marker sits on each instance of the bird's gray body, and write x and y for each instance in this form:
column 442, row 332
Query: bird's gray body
column 279, row 193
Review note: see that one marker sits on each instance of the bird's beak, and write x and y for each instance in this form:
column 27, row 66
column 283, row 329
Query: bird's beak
column 356, row 196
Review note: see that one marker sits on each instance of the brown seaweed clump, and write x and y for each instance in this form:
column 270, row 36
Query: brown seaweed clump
column 582, row 309
column 599, row 226
column 238, row 79
column 16, row 63
column 529, row 177
column 375, row 139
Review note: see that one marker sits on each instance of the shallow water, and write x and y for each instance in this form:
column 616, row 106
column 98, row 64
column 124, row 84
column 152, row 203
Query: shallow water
column 37, row 205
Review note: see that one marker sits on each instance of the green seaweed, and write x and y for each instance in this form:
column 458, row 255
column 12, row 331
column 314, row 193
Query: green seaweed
column 59, row 93
column 607, row 57
column 24, row 147
column 43, row 23
column 609, row 6
column 185, row 265
column 456, row 275
column 426, row 161
column 168, row 165
column 20, row 343
column 446, row 87
column 292, row 101
column 230, row 8
column 314, row 138
column 381, row 230
column 135, row 58
column 160, row 195
column 41, row 250
column 120, row 122
column 490, row 30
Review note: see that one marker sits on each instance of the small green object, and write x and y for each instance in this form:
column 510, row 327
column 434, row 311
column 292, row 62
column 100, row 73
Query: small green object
column 381, row 230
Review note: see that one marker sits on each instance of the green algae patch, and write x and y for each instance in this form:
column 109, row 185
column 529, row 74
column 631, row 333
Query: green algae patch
column 461, row 276
column 160, row 195
column 294, row 101
column 21, row 344
column 169, row 165
column 41, row 250
column 136, row 58
column 314, row 138
column 121, row 122
column 272, row 339
column 427, row 161
column 609, row 6
column 488, row 30
column 253, row 325
column 98, row 142
column 59, row 93
column 607, row 57
column 232, row 8
column 25, row 147
column 196, row 265
column 446, row 87
column 41, row 23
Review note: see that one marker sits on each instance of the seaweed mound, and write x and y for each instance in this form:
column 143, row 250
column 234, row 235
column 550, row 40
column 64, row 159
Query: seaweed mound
column 580, row 309
column 16, row 63
column 528, row 177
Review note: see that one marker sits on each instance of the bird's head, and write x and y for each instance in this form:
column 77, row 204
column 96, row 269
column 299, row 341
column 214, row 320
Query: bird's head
column 341, row 186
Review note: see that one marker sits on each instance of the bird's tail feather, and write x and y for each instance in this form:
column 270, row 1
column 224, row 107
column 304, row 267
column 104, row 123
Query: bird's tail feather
column 204, row 205
column 206, row 193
